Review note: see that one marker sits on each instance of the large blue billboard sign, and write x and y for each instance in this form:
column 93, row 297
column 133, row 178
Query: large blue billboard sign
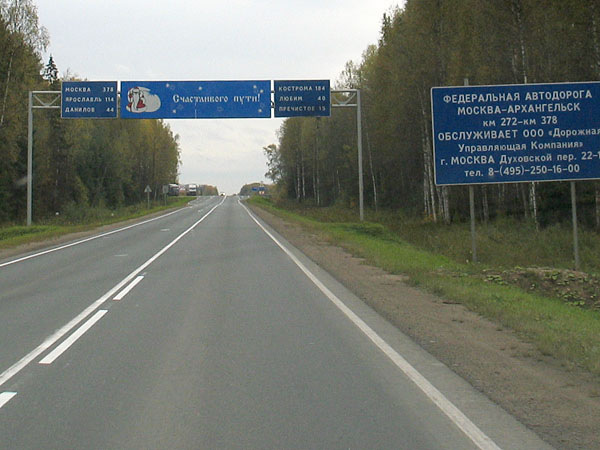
column 88, row 100
column 195, row 99
column 308, row 98
column 516, row 133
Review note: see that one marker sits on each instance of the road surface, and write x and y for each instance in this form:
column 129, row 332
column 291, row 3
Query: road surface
column 204, row 329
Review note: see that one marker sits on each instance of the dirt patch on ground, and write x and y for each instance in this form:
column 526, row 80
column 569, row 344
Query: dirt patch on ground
column 574, row 288
column 561, row 404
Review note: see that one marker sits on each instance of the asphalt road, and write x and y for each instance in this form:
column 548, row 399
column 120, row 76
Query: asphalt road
column 204, row 329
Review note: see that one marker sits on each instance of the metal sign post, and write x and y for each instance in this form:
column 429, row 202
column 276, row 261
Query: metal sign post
column 37, row 100
column 472, row 213
column 473, row 232
column 574, row 216
column 350, row 98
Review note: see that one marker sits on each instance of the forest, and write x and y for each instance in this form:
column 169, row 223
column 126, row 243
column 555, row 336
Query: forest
column 77, row 163
column 429, row 43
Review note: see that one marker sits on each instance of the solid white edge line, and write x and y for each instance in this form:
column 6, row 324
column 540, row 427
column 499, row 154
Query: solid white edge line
column 50, row 357
column 5, row 397
column 52, row 339
column 125, row 291
column 446, row 406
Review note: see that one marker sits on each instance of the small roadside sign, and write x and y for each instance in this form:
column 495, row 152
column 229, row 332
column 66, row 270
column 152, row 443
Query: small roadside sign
column 147, row 192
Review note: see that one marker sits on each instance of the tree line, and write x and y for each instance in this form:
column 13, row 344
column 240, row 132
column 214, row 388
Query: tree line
column 431, row 43
column 77, row 163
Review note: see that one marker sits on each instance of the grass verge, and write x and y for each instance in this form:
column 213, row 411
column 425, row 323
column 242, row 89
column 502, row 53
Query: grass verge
column 558, row 329
column 86, row 219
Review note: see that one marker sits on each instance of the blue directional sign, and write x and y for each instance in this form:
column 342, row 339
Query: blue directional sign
column 89, row 99
column 516, row 133
column 195, row 99
column 302, row 98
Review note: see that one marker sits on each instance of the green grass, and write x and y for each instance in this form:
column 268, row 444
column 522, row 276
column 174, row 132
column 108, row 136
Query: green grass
column 434, row 257
column 502, row 243
column 77, row 220
column 16, row 235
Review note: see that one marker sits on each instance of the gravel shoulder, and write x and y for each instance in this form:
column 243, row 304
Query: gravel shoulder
column 561, row 404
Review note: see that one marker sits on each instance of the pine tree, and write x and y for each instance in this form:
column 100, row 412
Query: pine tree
column 50, row 73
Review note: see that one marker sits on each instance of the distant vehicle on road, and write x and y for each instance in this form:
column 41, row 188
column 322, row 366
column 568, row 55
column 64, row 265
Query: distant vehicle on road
column 173, row 190
column 191, row 189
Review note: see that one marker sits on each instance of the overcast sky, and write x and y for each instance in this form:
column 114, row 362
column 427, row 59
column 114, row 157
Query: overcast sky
column 199, row 40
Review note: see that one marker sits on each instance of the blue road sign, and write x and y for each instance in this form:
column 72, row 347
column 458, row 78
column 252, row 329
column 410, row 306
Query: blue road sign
column 195, row 99
column 302, row 98
column 516, row 133
column 88, row 99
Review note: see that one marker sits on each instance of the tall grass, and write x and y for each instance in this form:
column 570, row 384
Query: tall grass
column 502, row 243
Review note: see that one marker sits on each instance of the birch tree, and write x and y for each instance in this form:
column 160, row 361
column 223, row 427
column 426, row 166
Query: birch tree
column 25, row 33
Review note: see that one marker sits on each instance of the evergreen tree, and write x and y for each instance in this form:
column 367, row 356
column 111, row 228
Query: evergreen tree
column 50, row 73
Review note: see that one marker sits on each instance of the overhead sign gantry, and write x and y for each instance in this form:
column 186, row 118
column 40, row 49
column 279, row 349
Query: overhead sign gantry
column 195, row 99
column 191, row 99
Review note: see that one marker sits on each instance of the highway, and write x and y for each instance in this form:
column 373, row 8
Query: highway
column 204, row 329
